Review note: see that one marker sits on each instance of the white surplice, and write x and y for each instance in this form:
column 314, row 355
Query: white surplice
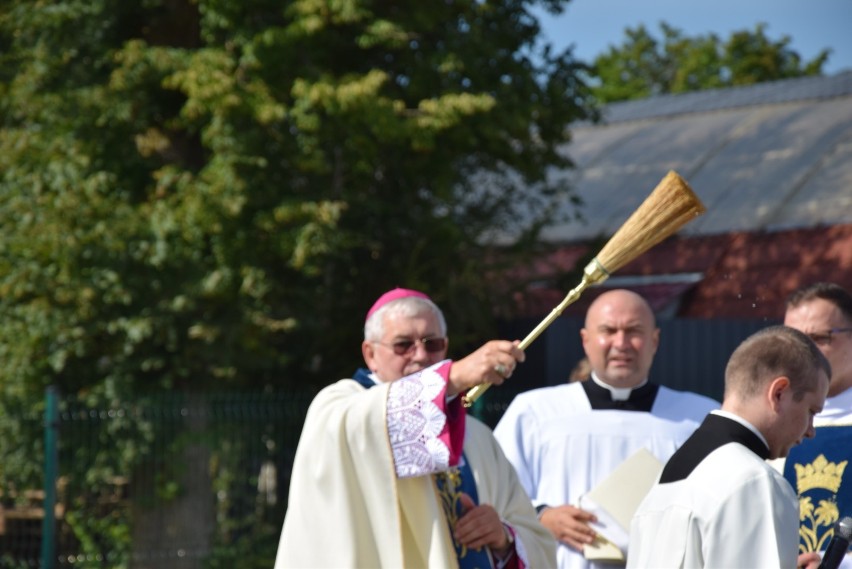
column 732, row 510
column 562, row 448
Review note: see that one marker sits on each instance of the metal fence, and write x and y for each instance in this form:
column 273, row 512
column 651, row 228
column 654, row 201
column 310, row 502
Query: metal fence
column 168, row 481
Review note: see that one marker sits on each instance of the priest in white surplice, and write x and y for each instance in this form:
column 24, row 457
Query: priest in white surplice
column 718, row 503
column 391, row 473
column 565, row 440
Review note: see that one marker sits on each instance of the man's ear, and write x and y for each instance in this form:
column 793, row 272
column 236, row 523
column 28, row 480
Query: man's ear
column 368, row 350
column 777, row 388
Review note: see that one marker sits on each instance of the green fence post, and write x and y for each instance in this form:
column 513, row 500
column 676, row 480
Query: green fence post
column 51, row 434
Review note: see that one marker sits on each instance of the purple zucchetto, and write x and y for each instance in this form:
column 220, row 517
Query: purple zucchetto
column 395, row 294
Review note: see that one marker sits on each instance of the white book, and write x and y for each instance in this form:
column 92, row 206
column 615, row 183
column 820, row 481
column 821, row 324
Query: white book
column 615, row 500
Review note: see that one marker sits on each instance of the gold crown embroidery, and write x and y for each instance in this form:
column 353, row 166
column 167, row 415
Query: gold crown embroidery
column 817, row 520
column 819, row 474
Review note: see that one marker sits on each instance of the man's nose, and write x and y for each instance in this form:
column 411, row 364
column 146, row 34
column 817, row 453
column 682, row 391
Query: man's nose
column 619, row 338
column 420, row 352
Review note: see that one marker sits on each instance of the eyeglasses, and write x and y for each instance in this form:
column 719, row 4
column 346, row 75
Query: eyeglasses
column 824, row 338
column 405, row 347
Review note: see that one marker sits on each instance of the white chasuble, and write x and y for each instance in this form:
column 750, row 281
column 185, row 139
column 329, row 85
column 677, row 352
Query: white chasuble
column 361, row 494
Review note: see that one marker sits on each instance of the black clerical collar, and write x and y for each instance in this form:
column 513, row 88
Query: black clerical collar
column 600, row 398
column 713, row 433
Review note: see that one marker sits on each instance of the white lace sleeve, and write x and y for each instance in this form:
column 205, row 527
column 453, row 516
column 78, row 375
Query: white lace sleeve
column 414, row 423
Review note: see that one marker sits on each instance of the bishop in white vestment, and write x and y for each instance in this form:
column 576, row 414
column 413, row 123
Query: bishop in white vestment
column 390, row 472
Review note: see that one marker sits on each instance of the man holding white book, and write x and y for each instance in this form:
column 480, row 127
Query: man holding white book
column 566, row 440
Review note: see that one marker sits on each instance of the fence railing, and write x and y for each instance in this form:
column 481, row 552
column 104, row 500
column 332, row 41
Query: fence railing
column 168, row 481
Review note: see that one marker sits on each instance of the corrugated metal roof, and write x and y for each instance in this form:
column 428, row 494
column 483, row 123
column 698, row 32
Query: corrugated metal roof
column 771, row 93
column 766, row 157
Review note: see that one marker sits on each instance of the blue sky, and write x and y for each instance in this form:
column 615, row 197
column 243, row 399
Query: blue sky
column 593, row 25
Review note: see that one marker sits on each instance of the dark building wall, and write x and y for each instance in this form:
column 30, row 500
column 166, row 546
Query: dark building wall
column 692, row 356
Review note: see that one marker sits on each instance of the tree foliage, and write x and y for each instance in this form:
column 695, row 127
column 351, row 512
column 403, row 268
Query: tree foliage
column 208, row 194
column 643, row 66
column 211, row 193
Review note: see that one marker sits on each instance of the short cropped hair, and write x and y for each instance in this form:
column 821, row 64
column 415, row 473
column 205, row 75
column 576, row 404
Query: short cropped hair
column 830, row 292
column 774, row 352
column 409, row 306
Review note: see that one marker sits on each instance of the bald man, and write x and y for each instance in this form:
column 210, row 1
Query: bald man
column 565, row 440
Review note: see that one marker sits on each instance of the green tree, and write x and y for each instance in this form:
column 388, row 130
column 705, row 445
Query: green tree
column 643, row 66
column 210, row 193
